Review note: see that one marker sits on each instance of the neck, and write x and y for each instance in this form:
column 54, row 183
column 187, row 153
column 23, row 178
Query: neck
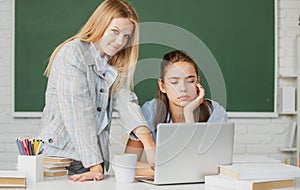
column 99, row 49
column 176, row 113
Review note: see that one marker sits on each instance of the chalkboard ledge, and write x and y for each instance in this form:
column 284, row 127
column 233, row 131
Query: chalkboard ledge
column 115, row 114
column 252, row 114
column 39, row 114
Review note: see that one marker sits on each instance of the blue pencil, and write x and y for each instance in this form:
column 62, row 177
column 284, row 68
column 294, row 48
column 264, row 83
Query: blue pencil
column 19, row 148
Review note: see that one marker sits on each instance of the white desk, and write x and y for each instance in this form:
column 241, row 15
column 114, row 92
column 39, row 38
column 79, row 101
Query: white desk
column 109, row 183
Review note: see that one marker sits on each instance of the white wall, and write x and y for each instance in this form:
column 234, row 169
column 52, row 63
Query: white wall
column 253, row 136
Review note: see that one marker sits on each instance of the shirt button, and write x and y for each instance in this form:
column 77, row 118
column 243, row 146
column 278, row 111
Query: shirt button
column 98, row 109
column 50, row 140
column 101, row 90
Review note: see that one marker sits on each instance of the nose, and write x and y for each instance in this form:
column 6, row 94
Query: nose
column 120, row 39
column 182, row 87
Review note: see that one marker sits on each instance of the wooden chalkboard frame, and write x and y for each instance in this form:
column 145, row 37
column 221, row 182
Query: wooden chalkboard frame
column 231, row 114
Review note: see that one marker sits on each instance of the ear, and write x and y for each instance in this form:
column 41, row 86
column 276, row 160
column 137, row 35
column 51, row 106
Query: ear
column 161, row 86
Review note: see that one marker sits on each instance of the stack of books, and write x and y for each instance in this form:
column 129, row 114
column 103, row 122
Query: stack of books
column 291, row 161
column 12, row 179
column 56, row 166
column 254, row 176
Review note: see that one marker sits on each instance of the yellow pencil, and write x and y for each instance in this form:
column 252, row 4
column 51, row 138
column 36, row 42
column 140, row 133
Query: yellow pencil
column 35, row 145
column 40, row 142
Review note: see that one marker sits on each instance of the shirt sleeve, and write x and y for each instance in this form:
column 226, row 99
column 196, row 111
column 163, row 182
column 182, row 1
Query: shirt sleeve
column 131, row 116
column 76, row 105
column 149, row 110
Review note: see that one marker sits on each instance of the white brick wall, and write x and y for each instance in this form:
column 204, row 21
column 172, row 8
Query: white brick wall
column 253, row 136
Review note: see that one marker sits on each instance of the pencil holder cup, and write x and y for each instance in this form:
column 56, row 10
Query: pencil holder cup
column 32, row 167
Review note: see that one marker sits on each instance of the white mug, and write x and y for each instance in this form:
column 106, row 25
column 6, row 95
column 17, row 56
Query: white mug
column 124, row 166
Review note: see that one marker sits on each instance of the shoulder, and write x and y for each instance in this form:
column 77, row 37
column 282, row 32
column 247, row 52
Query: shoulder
column 218, row 112
column 75, row 46
column 215, row 104
column 74, row 53
column 150, row 105
column 154, row 104
column 155, row 110
column 150, row 102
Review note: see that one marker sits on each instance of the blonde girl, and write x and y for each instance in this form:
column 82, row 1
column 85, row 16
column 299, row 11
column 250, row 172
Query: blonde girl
column 89, row 75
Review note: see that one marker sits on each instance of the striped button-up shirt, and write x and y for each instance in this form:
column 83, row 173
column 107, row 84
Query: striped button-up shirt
column 77, row 115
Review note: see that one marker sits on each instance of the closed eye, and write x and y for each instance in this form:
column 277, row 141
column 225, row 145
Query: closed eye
column 173, row 82
column 191, row 81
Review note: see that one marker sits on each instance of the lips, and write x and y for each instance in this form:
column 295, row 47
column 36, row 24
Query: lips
column 183, row 98
column 116, row 47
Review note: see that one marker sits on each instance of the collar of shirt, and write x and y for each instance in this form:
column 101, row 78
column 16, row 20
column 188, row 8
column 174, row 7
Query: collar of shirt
column 102, row 68
column 169, row 119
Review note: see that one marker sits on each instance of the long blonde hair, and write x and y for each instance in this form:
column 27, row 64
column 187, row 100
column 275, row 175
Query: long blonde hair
column 93, row 30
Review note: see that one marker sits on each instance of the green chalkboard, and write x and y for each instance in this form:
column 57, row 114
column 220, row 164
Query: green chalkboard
column 232, row 42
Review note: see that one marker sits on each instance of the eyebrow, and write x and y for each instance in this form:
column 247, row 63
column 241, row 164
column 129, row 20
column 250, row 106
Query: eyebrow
column 120, row 30
column 188, row 77
column 116, row 27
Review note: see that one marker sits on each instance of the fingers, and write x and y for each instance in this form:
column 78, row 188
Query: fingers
column 200, row 87
column 96, row 176
column 76, row 178
column 144, row 169
column 152, row 167
column 201, row 92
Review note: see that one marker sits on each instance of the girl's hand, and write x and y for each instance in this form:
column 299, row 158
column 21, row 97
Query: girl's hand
column 144, row 169
column 95, row 173
column 188, row 110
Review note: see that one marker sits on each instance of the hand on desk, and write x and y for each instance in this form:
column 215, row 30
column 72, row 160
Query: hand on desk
column 95, row 173
column 144, row 169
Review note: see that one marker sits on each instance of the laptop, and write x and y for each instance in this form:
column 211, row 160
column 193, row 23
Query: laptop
column 187, row 152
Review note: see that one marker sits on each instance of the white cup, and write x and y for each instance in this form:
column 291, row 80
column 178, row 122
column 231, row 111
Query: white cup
column 124, row 166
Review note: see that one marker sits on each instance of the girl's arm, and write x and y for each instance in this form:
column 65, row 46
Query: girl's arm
column 143, row 133
column 133, row 121
column 134, row 147
column 142, row 168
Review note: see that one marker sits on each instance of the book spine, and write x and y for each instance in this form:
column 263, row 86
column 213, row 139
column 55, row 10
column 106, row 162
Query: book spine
column 251, row 175
column 227, row 183
column 291, row 161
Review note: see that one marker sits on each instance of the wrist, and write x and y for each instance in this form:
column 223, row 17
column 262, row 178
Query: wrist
column 96, row 168
column 188, row 116
column 148, row 142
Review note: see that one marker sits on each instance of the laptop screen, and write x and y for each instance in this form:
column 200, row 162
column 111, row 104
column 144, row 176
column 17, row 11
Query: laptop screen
column 186, row 152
